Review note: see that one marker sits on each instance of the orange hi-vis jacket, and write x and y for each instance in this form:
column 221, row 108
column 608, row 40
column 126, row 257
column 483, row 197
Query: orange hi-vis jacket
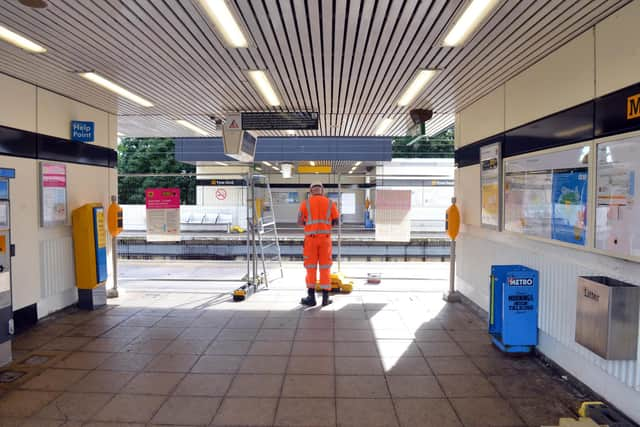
column 317, row 213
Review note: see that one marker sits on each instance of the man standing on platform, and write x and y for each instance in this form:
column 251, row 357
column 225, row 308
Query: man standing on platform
column 317, row 215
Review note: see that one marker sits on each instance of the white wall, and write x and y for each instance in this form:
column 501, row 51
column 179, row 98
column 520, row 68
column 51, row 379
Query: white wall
column 43, row 269
column 601, row 60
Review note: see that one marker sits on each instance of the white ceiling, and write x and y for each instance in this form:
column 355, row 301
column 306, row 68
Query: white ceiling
column 348, row 60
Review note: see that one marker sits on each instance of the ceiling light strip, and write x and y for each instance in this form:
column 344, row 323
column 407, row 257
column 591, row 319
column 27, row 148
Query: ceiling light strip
column 115, row 88
column 467, row 23
column 225, row 22
column 261, row 82
column 193, row 127
column 416, row 86
column 384, row 125
column 20, row 41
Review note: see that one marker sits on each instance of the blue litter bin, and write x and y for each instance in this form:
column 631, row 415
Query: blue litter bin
column 513, row 313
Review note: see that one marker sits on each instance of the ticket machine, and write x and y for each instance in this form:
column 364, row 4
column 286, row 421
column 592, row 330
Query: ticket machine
column 6, row 252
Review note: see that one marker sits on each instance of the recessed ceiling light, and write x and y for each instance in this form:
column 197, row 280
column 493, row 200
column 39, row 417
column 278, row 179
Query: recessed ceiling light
column 384, row 125
column 192, row 127
column 418, row 83
column 275, row 168
column 113, row 87
column 267, row 163
column 291, row 132
column 469, row 21
column 220, row 163
column 19, row 41
column 312, row 163
column 263, row 84
column 351, row 171
column 358, row 163
column 225, row 22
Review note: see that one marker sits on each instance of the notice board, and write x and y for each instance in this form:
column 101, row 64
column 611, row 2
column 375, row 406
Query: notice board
column 546, row 195
column 617, row 209
column 490, row 174
column 163, row 214
column 53, row 194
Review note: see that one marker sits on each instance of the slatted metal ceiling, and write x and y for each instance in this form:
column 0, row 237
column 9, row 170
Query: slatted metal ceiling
column 348, row 60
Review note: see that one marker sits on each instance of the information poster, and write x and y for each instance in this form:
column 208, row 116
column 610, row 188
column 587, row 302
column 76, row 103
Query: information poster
column 163, row 214
column 617, row 210
column 546, row 195
column 348, row 204
column 490, row 173
column 392, row 215
column 53, row 190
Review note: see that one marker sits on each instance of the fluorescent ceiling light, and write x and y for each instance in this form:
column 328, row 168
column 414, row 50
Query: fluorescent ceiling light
column 109, row 85
column 469, row 21
column 384, row 125
column 312, row 163
column 258, row 168
column 261, row 82
column 220, row 163
column 351, row 171
column 267, row 163
column 192, row 127
column 275, row 168
column 19, row 41
column 415, row 87
column 358, row 163
column 120, row 134
column 225, row 22
column 291, row 132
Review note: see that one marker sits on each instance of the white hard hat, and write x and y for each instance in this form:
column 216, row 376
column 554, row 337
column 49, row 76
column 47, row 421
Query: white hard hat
column 316, row 184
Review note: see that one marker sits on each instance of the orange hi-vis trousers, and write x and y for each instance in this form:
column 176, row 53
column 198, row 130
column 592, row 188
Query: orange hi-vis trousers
column 317, row 255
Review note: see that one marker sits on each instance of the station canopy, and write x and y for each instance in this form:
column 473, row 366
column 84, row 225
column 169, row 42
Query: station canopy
column 350, row 62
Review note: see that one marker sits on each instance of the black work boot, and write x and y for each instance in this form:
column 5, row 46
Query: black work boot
column 311, row 299
column 325, row 298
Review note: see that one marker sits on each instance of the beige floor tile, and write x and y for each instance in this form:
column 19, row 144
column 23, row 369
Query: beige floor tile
column 132, row 362
column 217, row 364
column 199, row 333
column 406, row 366
column 174, row 322
column 125, row 331
column 315, row 323
column 467, row 386
column 397, row 348
column 314, row 335
column 204, row 385
column 354, row 335
column 311, row 365
column 358, row 366
column 440, row 349
column 187, row 411
column 237, row 334
column 147, row 346
column 187, row 346
column 66, row 343
column 306, row 412
column 431, row 335
column 393, row 334
column 281, row 323
column 245, row 323
column 485, row 412
column 352, row 324
column 246, row 412
column 355, row 349
column 361, row 386
column 83, row 360
column 142, row 320
column 312, row 348
column 365, row 413
column 172, row 363
column 264, row 365
column 162, row 333
column 452, row 366
column 107, row 345
column 426, row 413
column 231, row 348
column 309, row 386
column 414, row 386
column 102, row 381
column 270, row 348
column 256, row 386
column 276, row 334
column 24, row 403
column 153, row 383
column 55, row 379
column 75, row 406
column 130, row 408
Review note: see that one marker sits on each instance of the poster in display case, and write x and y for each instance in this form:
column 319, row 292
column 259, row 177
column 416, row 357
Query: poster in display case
column 490, row 174
column 546, row 195
column 617, row 210
column 53, row 194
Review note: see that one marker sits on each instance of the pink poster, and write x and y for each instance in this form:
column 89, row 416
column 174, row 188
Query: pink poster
column 163, row 198
column 54, row 175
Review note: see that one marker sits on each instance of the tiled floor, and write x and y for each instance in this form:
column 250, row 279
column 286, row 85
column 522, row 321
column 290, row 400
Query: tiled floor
column 373, row 358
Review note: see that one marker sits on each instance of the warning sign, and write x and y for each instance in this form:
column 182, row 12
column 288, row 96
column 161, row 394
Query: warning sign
column 234, row 125
column 221, row 194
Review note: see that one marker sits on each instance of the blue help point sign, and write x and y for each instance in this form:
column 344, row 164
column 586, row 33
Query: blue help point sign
column 82, row 131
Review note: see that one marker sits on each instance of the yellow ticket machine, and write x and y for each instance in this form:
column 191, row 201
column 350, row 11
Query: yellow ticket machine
column 6, row 252
column 90, row 250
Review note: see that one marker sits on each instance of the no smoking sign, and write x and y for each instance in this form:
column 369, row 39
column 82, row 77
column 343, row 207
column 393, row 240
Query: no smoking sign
column 221, row 194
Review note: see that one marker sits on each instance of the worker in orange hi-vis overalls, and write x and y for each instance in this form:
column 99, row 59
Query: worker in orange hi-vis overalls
column 317, row 215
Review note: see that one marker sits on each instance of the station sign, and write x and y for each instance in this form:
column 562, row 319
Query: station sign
column 225, row 182
column 82, row 131
column 279, row 120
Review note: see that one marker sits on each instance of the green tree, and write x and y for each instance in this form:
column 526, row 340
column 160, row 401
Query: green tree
column 440, row 145
column 152, row 156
